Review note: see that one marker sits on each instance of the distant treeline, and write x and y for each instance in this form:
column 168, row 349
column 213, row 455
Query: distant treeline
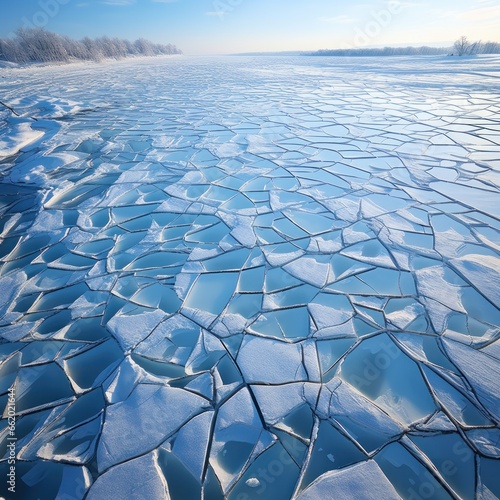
column 38, row 45
column 479, row 48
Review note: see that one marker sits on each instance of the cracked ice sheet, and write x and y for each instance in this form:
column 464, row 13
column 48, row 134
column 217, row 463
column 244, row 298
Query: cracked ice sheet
column 221, row 294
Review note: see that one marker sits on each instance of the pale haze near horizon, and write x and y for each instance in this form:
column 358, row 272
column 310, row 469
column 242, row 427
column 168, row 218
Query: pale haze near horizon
column 231, row 26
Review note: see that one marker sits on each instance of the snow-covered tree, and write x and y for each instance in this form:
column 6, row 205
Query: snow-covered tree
column 40, row 45
column 463, row 47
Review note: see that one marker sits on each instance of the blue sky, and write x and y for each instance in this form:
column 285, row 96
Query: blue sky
column 229, row 26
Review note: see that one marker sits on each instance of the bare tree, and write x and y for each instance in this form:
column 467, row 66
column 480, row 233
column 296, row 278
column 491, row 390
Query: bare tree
column 463, row 47
column 476, row 48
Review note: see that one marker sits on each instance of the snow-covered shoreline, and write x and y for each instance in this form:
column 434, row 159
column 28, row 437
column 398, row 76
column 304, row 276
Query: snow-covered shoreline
column 77, row 62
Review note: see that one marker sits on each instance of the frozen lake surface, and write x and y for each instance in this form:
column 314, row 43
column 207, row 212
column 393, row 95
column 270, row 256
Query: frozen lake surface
column 251, row 278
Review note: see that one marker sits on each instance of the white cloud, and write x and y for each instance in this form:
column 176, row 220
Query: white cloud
column 477, row 14
column 481, row 14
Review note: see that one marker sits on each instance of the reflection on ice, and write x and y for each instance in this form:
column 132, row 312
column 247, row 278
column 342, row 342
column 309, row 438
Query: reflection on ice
column 290, row 292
